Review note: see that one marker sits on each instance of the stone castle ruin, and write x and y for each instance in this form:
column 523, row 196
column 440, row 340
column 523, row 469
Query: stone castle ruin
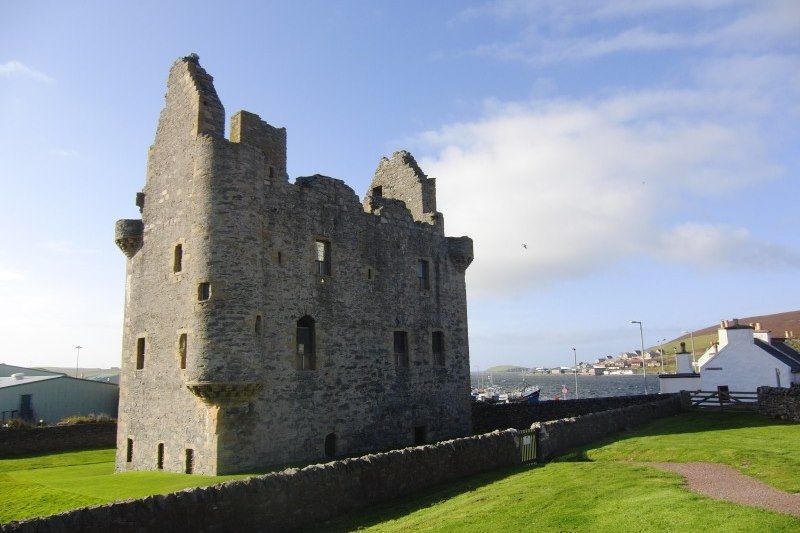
column 269, row 322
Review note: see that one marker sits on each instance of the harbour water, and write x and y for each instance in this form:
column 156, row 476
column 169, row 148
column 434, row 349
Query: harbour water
column 551, row 384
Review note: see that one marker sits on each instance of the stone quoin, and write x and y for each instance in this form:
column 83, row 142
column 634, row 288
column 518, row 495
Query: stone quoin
column 269, row 322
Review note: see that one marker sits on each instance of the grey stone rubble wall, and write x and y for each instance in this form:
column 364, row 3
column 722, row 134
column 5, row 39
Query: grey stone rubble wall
column 780, row 402
column 486, row 417
column 15, row 442
column 558, row 436
column 292, row 498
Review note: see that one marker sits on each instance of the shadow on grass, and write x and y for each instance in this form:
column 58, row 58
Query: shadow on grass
column 695, row 421
column 400, row 507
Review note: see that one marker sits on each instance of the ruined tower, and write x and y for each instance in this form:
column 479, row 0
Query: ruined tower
column 269, row 322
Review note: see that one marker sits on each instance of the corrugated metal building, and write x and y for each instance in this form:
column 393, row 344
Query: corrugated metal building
column 52, row 397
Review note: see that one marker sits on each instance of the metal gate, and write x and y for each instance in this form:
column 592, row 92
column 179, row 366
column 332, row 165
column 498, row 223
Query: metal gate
column 527, row 445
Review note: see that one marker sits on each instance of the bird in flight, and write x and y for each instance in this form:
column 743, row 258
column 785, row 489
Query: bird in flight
column 525, row 245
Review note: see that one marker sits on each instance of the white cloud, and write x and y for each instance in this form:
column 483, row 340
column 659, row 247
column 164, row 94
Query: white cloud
column 587, row 183
column 7, row 274
column 14, row 68
column 554, row 31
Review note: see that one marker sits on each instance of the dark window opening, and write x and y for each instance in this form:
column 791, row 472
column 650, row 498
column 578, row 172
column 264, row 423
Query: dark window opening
column 401, row 349
column 271, row 172
column 306, row 350
column 258, row 325
column 377, row 192
column 140, row 348
column 323, row 257
column 129, row 451
column 422, row 275
column 177, row 258
column 204, row 291
column 437, row 347
column 369, row 273
column 420, row 435
column 330, row 445
column 160, row 459
column 280, row 258
column 183, row 341
column 189, row 461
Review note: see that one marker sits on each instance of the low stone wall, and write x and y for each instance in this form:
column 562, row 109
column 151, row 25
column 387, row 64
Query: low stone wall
column 558, row 436
column 14, row 442
column 292, row 498
column 779, row 402
column 487, row 417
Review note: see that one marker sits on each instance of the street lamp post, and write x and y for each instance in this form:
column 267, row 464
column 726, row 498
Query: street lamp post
column 661, row 348
column 575, row 371
column 77, row 359
column 644, row 366
column 691, row 336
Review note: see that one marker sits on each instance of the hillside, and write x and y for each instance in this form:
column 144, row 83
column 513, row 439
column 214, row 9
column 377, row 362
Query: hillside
column 506, row 368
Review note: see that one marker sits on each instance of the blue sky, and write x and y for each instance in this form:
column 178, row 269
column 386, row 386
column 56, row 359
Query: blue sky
column 645, row 151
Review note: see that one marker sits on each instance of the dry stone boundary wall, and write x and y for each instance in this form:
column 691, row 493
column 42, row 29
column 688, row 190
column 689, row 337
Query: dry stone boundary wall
column 558, row 436
column 779, row 402
column 292, row 498
column 487, row 417
column 16, row 442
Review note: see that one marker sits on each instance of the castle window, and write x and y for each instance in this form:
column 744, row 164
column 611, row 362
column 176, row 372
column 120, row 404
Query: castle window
column 422, row 275
column 271, row 172
column 437, row 347
column 258, row 325
column 129, row 451
column 280, row 258
column 183, row 340
column 323, row 260
column 189, row 467
column 204, row 291
column 420, row 435
column 306, row 353
column 369, row 273
column 177, row 258
column 377, row 192
column 140, row 349
column 401, row 349
column 330, row 445
column 160, row 457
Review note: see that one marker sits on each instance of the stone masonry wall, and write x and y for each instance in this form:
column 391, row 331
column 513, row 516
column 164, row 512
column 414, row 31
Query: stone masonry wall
column 243, row 402
column 292, row 498
column 558, row 436
column 14, row 442
column 487, row 417
column 780, row 402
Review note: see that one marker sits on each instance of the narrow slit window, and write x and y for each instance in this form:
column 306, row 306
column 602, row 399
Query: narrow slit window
column 258, row 326
column 129, row 451
column 330, row 445
column 401, row 349
column 323, row 257
column 189, row 467
column 183, row 341
column 204, row 291
column 369, row 273
column 271, row 172
column 437, row 347
column 160, row 458
column 177, row 258
column 280, row 258
column 377, row 192
column 140, row 350
column 306, row 349
column 423, row 275
column 420, row 435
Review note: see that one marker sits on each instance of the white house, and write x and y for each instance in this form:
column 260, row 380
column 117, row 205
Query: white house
column 748, row 358
column 685, row 378
column 52, row 397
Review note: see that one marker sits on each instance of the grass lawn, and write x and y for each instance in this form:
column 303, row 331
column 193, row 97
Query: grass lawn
column 596, row 489
column 49, row 484
column 765, row 449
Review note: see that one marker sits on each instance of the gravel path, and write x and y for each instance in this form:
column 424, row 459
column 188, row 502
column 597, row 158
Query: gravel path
column 723, row 482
